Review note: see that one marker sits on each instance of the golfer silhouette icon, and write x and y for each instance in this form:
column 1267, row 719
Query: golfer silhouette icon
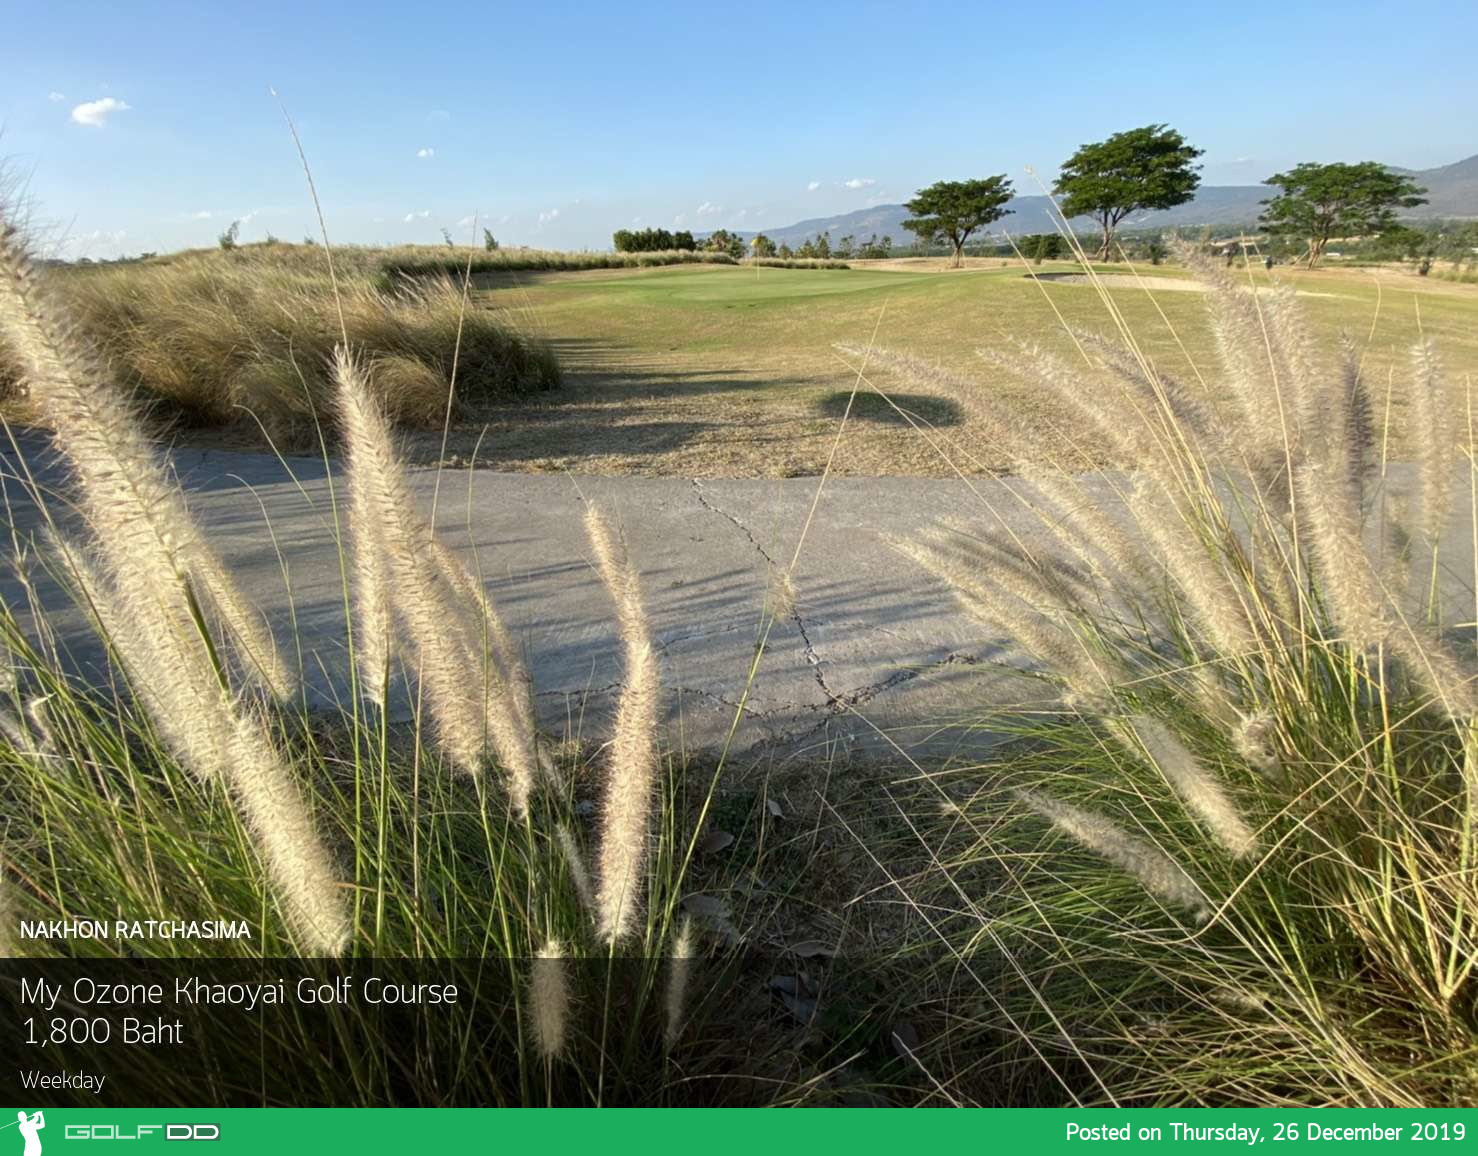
column 29, row 1126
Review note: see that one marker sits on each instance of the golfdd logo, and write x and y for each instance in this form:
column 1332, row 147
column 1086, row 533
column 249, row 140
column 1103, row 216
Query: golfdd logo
column 32, row 1124
column 141, row 1132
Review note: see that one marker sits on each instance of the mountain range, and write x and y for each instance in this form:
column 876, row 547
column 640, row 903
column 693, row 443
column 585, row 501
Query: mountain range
column 1452, row 192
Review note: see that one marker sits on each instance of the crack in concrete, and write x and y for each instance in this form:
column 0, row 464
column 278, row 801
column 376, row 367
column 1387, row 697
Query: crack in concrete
column 807, row 648
column 840, row 705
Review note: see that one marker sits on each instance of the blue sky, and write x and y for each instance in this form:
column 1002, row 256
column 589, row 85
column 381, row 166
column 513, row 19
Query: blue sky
column 148, row 125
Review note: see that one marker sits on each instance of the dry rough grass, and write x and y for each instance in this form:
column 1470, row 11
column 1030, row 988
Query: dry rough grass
column 243, row 339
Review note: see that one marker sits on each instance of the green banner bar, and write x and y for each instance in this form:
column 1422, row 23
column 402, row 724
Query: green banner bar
column 282, row 1132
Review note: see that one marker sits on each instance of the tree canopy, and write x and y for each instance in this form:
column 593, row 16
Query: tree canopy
column 651, row 240
column 1317, row 202
column 955, row 209
column 1142, row 168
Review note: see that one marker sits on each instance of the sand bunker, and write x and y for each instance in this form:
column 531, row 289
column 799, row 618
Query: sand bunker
column 1157, row 284
column 1125, row 281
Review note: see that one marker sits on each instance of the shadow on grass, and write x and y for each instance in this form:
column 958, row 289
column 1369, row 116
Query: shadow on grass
column 871, row 407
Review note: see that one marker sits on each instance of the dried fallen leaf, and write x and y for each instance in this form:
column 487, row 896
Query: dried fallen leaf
column 714, row 915
column 774, row 808
column 810, row 948
column 703, row 906
column 793, row 993
column 714, row 841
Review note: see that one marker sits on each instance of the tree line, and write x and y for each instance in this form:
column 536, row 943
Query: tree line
column 1152, row 168
column 1141, row 169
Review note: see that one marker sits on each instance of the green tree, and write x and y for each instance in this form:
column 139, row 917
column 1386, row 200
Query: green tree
column 846, row 246
column 823, row 245
column 784, row 251
column 955, row 209
column 1144, row 168
column 1039, row 247
column 489, row 242
column 227, row 239
column 1317, row 202
column 723, row 241
column 762, row 246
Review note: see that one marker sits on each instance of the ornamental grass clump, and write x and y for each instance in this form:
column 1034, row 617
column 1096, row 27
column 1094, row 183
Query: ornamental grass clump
column 192, row 647
column 1262, row 774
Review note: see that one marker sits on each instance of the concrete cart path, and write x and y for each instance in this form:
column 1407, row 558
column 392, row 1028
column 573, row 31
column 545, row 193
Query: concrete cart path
column 875, row 644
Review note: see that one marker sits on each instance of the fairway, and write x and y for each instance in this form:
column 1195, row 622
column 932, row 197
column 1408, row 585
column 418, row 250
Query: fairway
column 714, row 371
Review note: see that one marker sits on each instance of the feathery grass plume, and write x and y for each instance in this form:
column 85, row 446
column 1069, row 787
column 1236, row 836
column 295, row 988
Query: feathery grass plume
column 302, row 872
column 1201, row 793
column 1128, row 437
column 632, row 753
column 575, row 863
column 448, row 624
column 511, row 721
column 1202, row 579
column 433, row 629
column 1432, row 441
column 147, row 539
column 678, row 965
column 1160, row 875
column 1452, row 684
column 1181, row 419
column 549, row 999
column 1348, row 583
column 154, row 567
column 40, row 718
column 1356, row 429
column 13, row 729
column 1086, row 527
column 219, row 740
column 1255, row 739
column 1043, row 581
column 168, row 668
column 1255, row 374
column 374, row 634
column 1062, row 653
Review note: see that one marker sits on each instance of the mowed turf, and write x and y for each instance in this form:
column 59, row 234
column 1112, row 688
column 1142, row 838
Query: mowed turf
column 711, row 371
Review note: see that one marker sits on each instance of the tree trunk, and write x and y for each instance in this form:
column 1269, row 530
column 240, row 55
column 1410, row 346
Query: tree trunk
column 1108, row 239
column 1316, row 250
column 959, row 253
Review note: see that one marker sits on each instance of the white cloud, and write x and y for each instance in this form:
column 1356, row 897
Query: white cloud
column 421, row 216
column 203, row 215
column 741, row 214
column 425, row 154
column 95, row 113
column 859, row 182
column 709, row 209
column 551, row 215
column 438, row 114
column 813, row 186
column 55, row 97
column 466, row 222
column 680, row 220
column 504, row 219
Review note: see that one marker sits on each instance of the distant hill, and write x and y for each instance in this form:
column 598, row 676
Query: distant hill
column 1452, row 191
